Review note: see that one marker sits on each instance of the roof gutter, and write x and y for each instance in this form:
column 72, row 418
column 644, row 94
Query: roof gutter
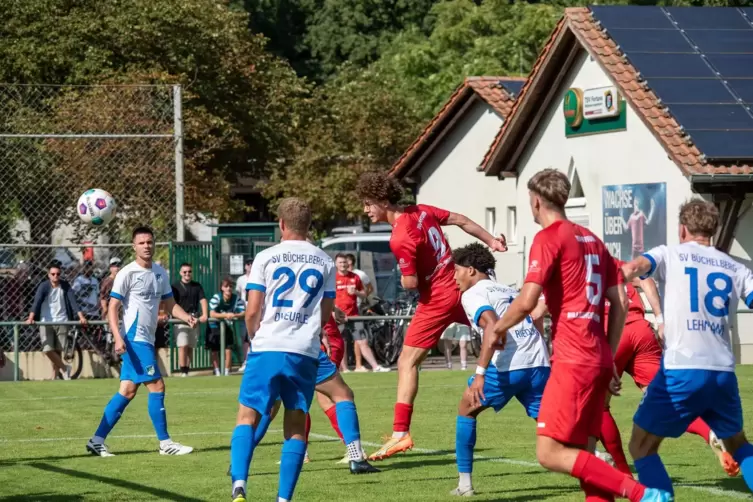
column 719, row 178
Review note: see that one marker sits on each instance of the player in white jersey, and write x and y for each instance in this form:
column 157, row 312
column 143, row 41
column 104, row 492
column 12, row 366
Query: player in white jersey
column 291, row 294
column 139, row 287
column 519, row 363
column 697, row 377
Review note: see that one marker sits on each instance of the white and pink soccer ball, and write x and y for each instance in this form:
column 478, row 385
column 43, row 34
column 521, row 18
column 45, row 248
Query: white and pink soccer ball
column 96, row 207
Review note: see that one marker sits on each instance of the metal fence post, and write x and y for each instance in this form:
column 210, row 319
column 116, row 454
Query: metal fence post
column 16, row 353
column 222, row 347
column 178, row 135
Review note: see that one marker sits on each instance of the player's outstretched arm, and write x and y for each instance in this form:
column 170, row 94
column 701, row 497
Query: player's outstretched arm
column 638, row 267
column 472, row 228
column 491, row 340
column 652, row 295
column 178, row 312
column 253, row 311
column 523, row 305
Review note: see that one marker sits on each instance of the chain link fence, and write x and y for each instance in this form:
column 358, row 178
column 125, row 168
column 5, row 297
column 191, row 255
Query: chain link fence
column 55, row 143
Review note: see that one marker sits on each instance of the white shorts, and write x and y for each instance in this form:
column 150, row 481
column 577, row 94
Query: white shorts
column 186, row 336
column 457, row 331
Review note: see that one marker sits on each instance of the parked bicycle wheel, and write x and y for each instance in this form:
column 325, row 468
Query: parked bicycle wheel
column 475, row 346
column 73, row 356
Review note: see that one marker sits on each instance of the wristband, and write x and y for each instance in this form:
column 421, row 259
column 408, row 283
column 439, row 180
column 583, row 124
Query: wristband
column 659, row 319
column 480, row 370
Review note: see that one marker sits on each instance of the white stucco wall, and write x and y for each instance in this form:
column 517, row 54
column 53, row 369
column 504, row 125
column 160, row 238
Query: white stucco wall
column 450, row 181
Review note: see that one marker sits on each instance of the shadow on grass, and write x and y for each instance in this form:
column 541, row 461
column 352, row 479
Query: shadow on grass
column 120, row 483
column 530, row 493
column 47, row 497
column 736, row 485
column 53, row 458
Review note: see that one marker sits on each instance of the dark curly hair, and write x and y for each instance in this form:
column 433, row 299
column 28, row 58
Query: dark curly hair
column 475, row 255
column 378, row 186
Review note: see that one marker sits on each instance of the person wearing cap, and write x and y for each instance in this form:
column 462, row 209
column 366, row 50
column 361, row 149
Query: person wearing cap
column 106, row 286
column 86, row 287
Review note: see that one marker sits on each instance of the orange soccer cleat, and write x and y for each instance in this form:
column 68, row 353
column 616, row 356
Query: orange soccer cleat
column 730, row 466
column 392, row 446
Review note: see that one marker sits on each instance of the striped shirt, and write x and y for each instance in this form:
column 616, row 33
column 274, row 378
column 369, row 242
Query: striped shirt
column 217, row 304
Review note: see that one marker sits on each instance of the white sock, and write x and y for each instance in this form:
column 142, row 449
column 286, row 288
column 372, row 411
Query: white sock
column 239, row 484
column 399, row 435
column 98, row 440
column 355, row 451
column 465, row 483
column 165, row 442
column 280, row 499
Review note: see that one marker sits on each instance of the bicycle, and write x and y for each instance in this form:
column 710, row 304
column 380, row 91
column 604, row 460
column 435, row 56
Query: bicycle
column 388, row 339
column 101, row 341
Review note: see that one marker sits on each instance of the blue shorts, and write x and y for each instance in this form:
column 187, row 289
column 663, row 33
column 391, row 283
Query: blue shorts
column 675, row 398
column 139, row 363
column 326, row 370
column 527, row 385
column 270, row 376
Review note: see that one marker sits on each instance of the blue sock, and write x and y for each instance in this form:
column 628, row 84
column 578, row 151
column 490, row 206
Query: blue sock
column 261, row 429
column 653, row 474
column 291, row 462
column 158, row 415
column 465, row 441
column 110, row 417
column 241, row 451
column 347, row 420
column 744, row 457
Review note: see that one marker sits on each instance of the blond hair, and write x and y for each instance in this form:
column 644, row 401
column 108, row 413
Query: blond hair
column 296, row 214
column 700, row 217
column 552, row 186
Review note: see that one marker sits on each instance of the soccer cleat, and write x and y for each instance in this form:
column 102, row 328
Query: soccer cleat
column 393, row 446
column 346, row 458
column 239, row 495
column 463, row 492
column 98, row 449
column 728, row 463
column 656, row 495
column 362, row 467
column 173, row 448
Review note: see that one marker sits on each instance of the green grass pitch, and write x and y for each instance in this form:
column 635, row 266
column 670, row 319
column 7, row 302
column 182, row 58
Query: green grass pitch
column 44, row 427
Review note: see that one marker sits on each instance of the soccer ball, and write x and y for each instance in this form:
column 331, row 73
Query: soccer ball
column 96, row 207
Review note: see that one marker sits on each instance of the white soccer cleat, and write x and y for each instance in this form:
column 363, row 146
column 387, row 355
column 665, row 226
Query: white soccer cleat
column 463, row 492
column 173, row 448
column 98, row 449
column 346, row 458
column 381, row 369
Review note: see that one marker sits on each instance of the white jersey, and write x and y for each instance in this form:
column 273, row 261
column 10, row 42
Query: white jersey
column 525, row 347
column 295, row 276
column 141, row 290
column 699, row 284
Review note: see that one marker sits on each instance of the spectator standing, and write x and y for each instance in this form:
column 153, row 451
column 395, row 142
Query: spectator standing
column 86, row 288
column 348, row 289
column 358, row 327
column 240, row 290
column 227, row 307
column 190, row 296
column 106, row 285
column 55, row 301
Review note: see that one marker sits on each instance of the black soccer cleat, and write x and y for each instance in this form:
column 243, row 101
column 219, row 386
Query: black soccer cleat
column 362, row 467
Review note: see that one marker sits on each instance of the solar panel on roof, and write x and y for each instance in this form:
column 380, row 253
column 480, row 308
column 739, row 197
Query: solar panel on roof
column 670, row 65
column 691, row 91
column 708, row 18
column 513, row 86
column 631, row 16
column 722, row 145
column 700, row 84
column 727, row 41
column 651, row 40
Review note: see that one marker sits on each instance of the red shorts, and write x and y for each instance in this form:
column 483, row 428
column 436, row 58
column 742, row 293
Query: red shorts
column 572, row 403
column 639, row 353
column 431, row 319
column 336, row 350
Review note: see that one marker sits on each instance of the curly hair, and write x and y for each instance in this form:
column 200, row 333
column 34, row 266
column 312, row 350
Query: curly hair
column 700, row 217
column 475, row 255
column 379, row 187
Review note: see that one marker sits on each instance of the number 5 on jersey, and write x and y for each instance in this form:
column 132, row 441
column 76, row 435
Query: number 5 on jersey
column 304, row 282
column 593, row 280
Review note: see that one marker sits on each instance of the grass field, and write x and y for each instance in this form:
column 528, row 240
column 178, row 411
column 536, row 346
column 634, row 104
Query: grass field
column 44, row 427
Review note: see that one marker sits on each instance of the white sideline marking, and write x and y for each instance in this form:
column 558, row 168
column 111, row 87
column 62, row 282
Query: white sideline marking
column 501, row 460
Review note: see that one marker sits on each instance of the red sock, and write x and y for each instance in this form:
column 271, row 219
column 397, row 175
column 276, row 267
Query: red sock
column 700, row 428
column 403, row 414
column 332, row 415
column 603, row 476
column 594, row 494
column 308, row 427
column 610, row 438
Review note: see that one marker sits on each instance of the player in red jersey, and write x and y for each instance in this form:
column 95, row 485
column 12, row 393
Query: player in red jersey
column 639, row 355
column 573, row 269
column 425, row 261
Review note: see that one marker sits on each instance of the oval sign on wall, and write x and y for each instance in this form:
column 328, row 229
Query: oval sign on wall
column 572, row 107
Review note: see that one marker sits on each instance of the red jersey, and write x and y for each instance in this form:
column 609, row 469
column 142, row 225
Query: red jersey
column 574, row 268
column 636, row 311
column 331, row 329
column 345, row 301
column 421, row 249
